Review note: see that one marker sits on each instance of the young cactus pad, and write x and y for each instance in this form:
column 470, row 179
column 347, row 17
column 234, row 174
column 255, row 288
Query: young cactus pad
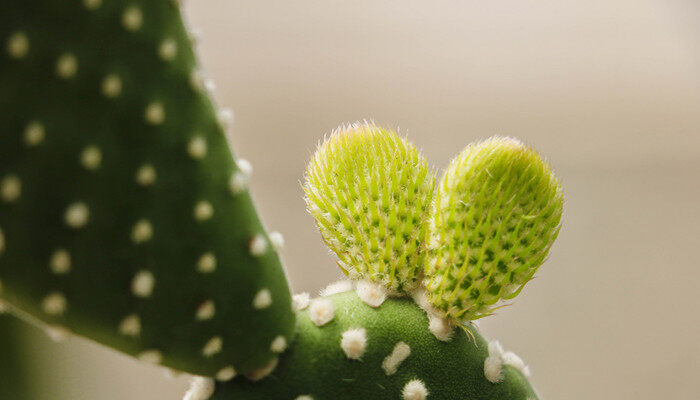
column 384, row 353
column 123, row 215
column 497, row 211
column 369, row 191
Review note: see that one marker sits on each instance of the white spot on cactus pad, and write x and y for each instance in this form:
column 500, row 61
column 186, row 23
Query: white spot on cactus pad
column 300, row 301
column 341, row 286
column 260, row 373
column 155, row 113
column 371, row 293
column 151, row 357
column 34, row 134
column 60, row 262
column 146, row 175
column 354, row 343
column 91, row 158
column 130, row 325
column 10, row 188
column 278, row 345
column 132, row 18
column 226, row 374
column 18, row 45
column 112, row 86
column 257, row 245
column 57, row 333
column 512, row 359
column 262, row 299
column 392, row 362
column 142, row 284
column 225, row 117
column 304, row 397
column 201, row 388
column 277, row 240
column 54, row 304
column 440, row 328
column 92, row 4
column 66, row 66
column 321, row 311
column 213, row 346
column 77, row 215
column 142, row 231
column 206, row 310
column 203, row 211
column 206, row 263
column 415, row 390
column 238, row 182
column 197, row 147
column 167, row 51
column 196, row 80
column 245, row 167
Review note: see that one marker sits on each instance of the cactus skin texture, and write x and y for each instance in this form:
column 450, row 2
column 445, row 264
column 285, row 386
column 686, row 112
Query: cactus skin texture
column 123, row 215
column 317, row 366
column 14, row 381
column 496, row 213
column 369, row 191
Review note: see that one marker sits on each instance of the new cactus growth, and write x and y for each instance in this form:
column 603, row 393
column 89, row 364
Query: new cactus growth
column 125, row 218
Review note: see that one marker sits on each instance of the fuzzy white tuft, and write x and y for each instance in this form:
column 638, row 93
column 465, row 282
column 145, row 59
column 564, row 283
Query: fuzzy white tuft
column 130, row 325
column 54, row 304
column 392, row 362
column 206, row 263
column 492, row 368
column 262, row 299
column 206, row 311
column 167, row 51
column 66, row 66
column 111, row 86
column 60, row 262
column 142, row 231
column 154, row 113
column 278, row 345
column 245, row 167
column 132, row 18
column 415, row 390
column 77, row 215
column 354, row 343
column 225, row 117
column 304, row 397
column 197, row 147
column 34, row 134
column 495, row 349
column 213, row 346
column 18, row 45
column 142, row 284
column 260, row 373
column 146, row 175
column 371, row 293
column 201, row 388
column 321, row 311
column 512, row 359
column 277, row 240
column 91, row 158
column 203, row 211
column 10, row 188
column 341, row 286
column 151, row 356
column 440, row 328
column 300, row 301
column 226, row 374
column 239, row 182
column 92, row 4
column 257, row 245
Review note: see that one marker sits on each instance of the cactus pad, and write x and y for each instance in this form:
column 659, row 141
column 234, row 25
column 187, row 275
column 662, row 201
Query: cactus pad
column 384, row 353
column 123, row 215
column 497, row 211
column 369, row 191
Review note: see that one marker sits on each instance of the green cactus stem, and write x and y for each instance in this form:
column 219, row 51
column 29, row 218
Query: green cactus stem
column 496, row 213
column 347, row 350
column 124, row 217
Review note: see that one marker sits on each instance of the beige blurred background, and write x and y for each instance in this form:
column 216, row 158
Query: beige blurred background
column 609, row 91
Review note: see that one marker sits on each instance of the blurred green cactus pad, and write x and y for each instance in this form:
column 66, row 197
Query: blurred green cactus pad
column 124, row 217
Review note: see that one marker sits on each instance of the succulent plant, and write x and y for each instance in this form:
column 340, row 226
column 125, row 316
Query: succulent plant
column 125, row 218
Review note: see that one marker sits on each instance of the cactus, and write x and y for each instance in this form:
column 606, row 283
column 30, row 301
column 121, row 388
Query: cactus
column 124, row 218
column 14, row 368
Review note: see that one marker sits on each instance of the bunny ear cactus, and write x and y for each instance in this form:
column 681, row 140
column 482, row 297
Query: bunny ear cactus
column 424, row 265
column 123, row 215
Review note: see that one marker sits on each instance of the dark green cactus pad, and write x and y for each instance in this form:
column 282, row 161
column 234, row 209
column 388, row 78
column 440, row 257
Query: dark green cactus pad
column 123, row 215
column 384, row 353
column 14, row 379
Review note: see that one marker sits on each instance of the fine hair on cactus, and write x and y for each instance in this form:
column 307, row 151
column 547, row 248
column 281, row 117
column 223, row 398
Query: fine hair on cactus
column 126, row 219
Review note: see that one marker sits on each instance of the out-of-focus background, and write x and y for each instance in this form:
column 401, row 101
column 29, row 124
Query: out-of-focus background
column 609, row 91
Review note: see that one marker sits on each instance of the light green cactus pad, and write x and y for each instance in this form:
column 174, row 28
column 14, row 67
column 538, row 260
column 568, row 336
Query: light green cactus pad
column 123, row 215
column 496, row 213
column 369, row 191
column 347, row 350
